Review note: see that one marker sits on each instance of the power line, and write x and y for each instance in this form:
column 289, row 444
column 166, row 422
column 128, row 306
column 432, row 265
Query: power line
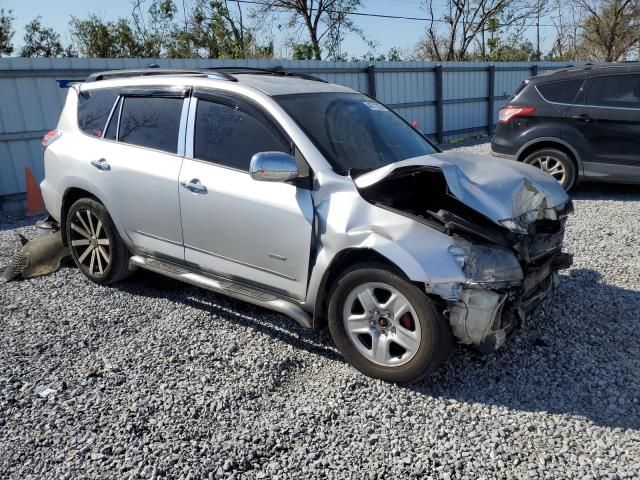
column 390, row 17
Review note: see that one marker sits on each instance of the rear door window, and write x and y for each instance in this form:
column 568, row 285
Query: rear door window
column 615, row 91
column 151, row 122
column 564, row 91
column 94, row 107
column 228, row 136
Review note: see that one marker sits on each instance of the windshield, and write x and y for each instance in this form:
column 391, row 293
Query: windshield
column 354, row 133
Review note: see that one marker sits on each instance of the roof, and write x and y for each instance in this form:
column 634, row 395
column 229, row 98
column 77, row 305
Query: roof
column 280, row 85
column 588, row 70
column 271, row 83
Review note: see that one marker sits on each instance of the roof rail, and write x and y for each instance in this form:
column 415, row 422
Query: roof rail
column 225, row 73
column 278, row 70
column 153, row 71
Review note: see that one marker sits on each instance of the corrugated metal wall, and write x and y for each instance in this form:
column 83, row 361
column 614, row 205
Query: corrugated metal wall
column 449, row 101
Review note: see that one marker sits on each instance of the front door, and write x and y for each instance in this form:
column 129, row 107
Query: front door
column 611, row 126
column 255, row 232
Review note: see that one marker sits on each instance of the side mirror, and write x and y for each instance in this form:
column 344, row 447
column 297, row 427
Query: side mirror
column 273, row 167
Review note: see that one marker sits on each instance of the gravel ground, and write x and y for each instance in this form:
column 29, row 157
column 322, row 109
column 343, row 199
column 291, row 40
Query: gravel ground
column 154, row 378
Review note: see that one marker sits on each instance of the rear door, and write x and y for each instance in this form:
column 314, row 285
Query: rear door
column 234, row 226
column 609, row 120
column 139, row 164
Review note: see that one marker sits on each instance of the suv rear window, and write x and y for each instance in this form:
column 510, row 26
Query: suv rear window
column 94, row 107
column 564, row 91
column 615, row 91
column 151, row 122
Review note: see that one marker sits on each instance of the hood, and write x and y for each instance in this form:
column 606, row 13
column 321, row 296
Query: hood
column 500, row 189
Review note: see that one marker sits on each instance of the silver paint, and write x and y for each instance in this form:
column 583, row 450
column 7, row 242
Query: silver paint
column 234, row 228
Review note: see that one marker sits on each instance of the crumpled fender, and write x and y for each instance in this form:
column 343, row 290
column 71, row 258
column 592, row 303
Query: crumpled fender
column 346, row 221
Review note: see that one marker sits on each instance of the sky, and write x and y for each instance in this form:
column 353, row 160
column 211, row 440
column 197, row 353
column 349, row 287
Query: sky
column 388, row 33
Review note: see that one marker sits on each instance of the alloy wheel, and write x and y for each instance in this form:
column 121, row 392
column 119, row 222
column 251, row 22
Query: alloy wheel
column 382, row 324
column 90, row 242
column 552, row 166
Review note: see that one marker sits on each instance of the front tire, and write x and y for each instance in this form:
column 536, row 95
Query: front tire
column 555, row 163
column 96, row 246
column 385, row 326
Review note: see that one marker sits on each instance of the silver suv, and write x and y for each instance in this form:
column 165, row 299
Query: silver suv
column 306, row 198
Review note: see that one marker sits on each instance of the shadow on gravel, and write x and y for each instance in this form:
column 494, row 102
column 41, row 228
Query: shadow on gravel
column 577, row 355
column 224, row 309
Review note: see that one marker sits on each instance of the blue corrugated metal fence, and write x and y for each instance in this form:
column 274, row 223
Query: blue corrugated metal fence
column 448, row 100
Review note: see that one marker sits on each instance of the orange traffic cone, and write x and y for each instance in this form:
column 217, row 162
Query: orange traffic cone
column 35, row 203
column 414, row 124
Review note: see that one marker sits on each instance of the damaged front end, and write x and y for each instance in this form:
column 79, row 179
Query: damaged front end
column 508, row 247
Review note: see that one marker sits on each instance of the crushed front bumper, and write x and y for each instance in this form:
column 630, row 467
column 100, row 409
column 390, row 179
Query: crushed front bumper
column 484, row 315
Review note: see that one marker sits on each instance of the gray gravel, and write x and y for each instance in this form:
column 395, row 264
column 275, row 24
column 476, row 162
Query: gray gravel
column 153, row 378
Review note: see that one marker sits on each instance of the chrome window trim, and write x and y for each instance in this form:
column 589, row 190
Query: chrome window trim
column 585, row 86
column 190, row 128
column 183, row 127
column 119, row 119
column 106, row 126
column 544, row 99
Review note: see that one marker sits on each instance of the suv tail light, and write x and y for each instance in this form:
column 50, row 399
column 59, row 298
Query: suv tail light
column 50, row 137
column 506, row 114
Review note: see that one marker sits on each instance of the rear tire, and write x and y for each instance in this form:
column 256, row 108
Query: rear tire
column 555, row 163
column 403, row 340
column 96, row 246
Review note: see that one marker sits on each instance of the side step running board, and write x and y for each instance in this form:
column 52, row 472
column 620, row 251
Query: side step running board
column 225, row 287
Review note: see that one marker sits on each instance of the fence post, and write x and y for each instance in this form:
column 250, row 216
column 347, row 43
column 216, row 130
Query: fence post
column 534, row 70
column 371, row 77
column 439, row 106
column 491, row 108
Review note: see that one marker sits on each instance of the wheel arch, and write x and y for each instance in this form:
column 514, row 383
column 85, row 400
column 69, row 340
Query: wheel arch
column 72, row 195
column 341, row 262
column 551, row 142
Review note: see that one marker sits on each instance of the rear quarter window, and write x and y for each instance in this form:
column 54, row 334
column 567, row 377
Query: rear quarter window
column 564, row 91
column 518, row 90
column 94, row 107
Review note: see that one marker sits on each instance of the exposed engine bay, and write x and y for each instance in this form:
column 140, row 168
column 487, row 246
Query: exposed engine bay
column 483, row 312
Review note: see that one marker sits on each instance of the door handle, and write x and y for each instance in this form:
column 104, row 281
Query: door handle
column 194, row 186
column 582, row 117
column 101, row 164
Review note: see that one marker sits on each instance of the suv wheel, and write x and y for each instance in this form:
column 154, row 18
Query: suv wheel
column 96, row 246
column 556, row 163
column 385, row 326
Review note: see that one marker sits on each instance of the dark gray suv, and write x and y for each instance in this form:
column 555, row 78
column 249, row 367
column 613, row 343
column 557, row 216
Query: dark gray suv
column 576, row 123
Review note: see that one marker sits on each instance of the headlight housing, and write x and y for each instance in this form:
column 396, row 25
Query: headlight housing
column 486, row 264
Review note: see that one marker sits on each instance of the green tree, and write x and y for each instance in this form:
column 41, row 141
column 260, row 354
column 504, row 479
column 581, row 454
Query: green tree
column 154, row 25
column 216, row 29
column 41, row 41
column 610, row 29
column 6, row 32
column 326, row 21
column 303, row 51
column 94, row 38
column 512, row 50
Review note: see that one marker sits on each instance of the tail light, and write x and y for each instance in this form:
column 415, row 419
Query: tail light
column 506, row 114
column 50, row 137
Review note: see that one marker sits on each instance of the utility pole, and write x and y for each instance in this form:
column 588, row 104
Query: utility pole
column 538, row 31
